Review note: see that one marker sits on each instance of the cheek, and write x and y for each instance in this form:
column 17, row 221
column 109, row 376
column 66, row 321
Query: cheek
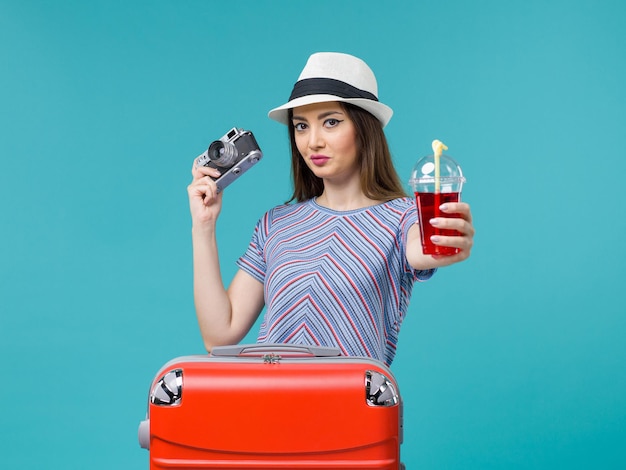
column 348, row 145
column 300, row 144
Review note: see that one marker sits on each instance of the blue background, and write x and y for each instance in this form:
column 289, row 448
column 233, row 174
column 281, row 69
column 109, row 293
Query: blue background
column 513, row 359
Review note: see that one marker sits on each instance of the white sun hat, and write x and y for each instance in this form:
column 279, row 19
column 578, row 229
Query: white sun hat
column 334, row 76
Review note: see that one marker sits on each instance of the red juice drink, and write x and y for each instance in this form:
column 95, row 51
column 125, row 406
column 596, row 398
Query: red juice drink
column 436, row 179
column 428, row 208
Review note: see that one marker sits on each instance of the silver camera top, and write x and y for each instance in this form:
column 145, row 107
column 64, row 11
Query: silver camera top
column 233, row 154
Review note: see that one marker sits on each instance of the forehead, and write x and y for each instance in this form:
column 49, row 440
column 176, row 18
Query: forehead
column 316, row 109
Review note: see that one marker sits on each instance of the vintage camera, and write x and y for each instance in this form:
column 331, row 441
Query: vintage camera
column 232, row 155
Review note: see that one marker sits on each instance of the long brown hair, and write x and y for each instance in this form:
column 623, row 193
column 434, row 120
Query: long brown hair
column 379, row 179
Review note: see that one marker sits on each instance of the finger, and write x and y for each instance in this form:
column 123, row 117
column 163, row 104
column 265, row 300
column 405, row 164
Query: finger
column 462, row 208
column 453, row 223
column 197, row 190
column 212, row 196
column 202, row 186
column 206, row 194
column 211, row 190
column 203, row 171
column 194, row 165
column 196, row 161
column 463, row 243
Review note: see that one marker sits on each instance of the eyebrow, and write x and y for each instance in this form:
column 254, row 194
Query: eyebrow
column 319, row 116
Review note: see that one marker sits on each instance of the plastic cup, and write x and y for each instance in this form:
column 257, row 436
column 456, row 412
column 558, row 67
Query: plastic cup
column 430, row 193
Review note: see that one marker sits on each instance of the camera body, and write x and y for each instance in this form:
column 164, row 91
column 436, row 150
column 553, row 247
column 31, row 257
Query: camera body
column 233, row 154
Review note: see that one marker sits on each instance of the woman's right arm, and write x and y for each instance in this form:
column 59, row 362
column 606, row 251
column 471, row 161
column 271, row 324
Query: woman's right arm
column 224, row 315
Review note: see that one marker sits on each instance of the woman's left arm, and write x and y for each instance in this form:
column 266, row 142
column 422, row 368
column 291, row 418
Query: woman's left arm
column 462, row 223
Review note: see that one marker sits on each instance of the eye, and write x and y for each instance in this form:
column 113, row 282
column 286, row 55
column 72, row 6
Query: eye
column 332, row 122
column 299, row 126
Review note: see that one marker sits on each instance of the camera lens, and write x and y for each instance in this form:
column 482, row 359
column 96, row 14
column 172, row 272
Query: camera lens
column 223, row 154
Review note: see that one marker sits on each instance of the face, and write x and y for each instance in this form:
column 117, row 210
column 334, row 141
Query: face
column 326, row 139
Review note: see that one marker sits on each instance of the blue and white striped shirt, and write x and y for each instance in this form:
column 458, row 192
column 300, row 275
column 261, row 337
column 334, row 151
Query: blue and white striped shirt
column 335, row 278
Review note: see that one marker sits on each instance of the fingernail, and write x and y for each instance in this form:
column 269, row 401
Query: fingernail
column 443, row 207
column 435, row 238
column 434, row 222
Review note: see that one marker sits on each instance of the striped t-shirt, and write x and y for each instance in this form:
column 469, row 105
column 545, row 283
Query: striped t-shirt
column 332, row 278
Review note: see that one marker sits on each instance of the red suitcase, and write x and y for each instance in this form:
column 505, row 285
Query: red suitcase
column 272, row 407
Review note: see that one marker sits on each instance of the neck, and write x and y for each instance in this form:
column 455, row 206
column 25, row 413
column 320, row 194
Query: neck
column 344, row 198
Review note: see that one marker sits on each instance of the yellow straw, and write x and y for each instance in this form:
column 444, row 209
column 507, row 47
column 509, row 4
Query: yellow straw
column 438, row 147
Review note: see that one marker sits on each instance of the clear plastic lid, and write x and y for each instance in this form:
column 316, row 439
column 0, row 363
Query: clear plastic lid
column 423, row 176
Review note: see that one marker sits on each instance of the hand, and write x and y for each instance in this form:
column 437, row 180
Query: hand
column 205, row 203
column 461, row 222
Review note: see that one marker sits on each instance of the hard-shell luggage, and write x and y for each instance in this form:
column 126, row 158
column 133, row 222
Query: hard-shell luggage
column 272, row 407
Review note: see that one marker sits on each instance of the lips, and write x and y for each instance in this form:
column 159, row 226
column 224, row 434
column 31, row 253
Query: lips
column 319, row 160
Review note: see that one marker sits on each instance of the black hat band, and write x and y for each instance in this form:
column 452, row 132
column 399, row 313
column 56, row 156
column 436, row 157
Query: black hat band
column 328, row 86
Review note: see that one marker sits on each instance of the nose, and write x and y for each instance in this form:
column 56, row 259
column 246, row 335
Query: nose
column 316, row 140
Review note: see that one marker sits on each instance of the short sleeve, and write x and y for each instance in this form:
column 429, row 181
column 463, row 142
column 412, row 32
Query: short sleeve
column 253, row 260
column 409, row 219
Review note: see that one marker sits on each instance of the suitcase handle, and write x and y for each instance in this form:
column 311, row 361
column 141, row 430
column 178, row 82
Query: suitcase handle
column 280, row 349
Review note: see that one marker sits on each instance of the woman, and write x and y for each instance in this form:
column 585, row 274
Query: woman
column 336, row 267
